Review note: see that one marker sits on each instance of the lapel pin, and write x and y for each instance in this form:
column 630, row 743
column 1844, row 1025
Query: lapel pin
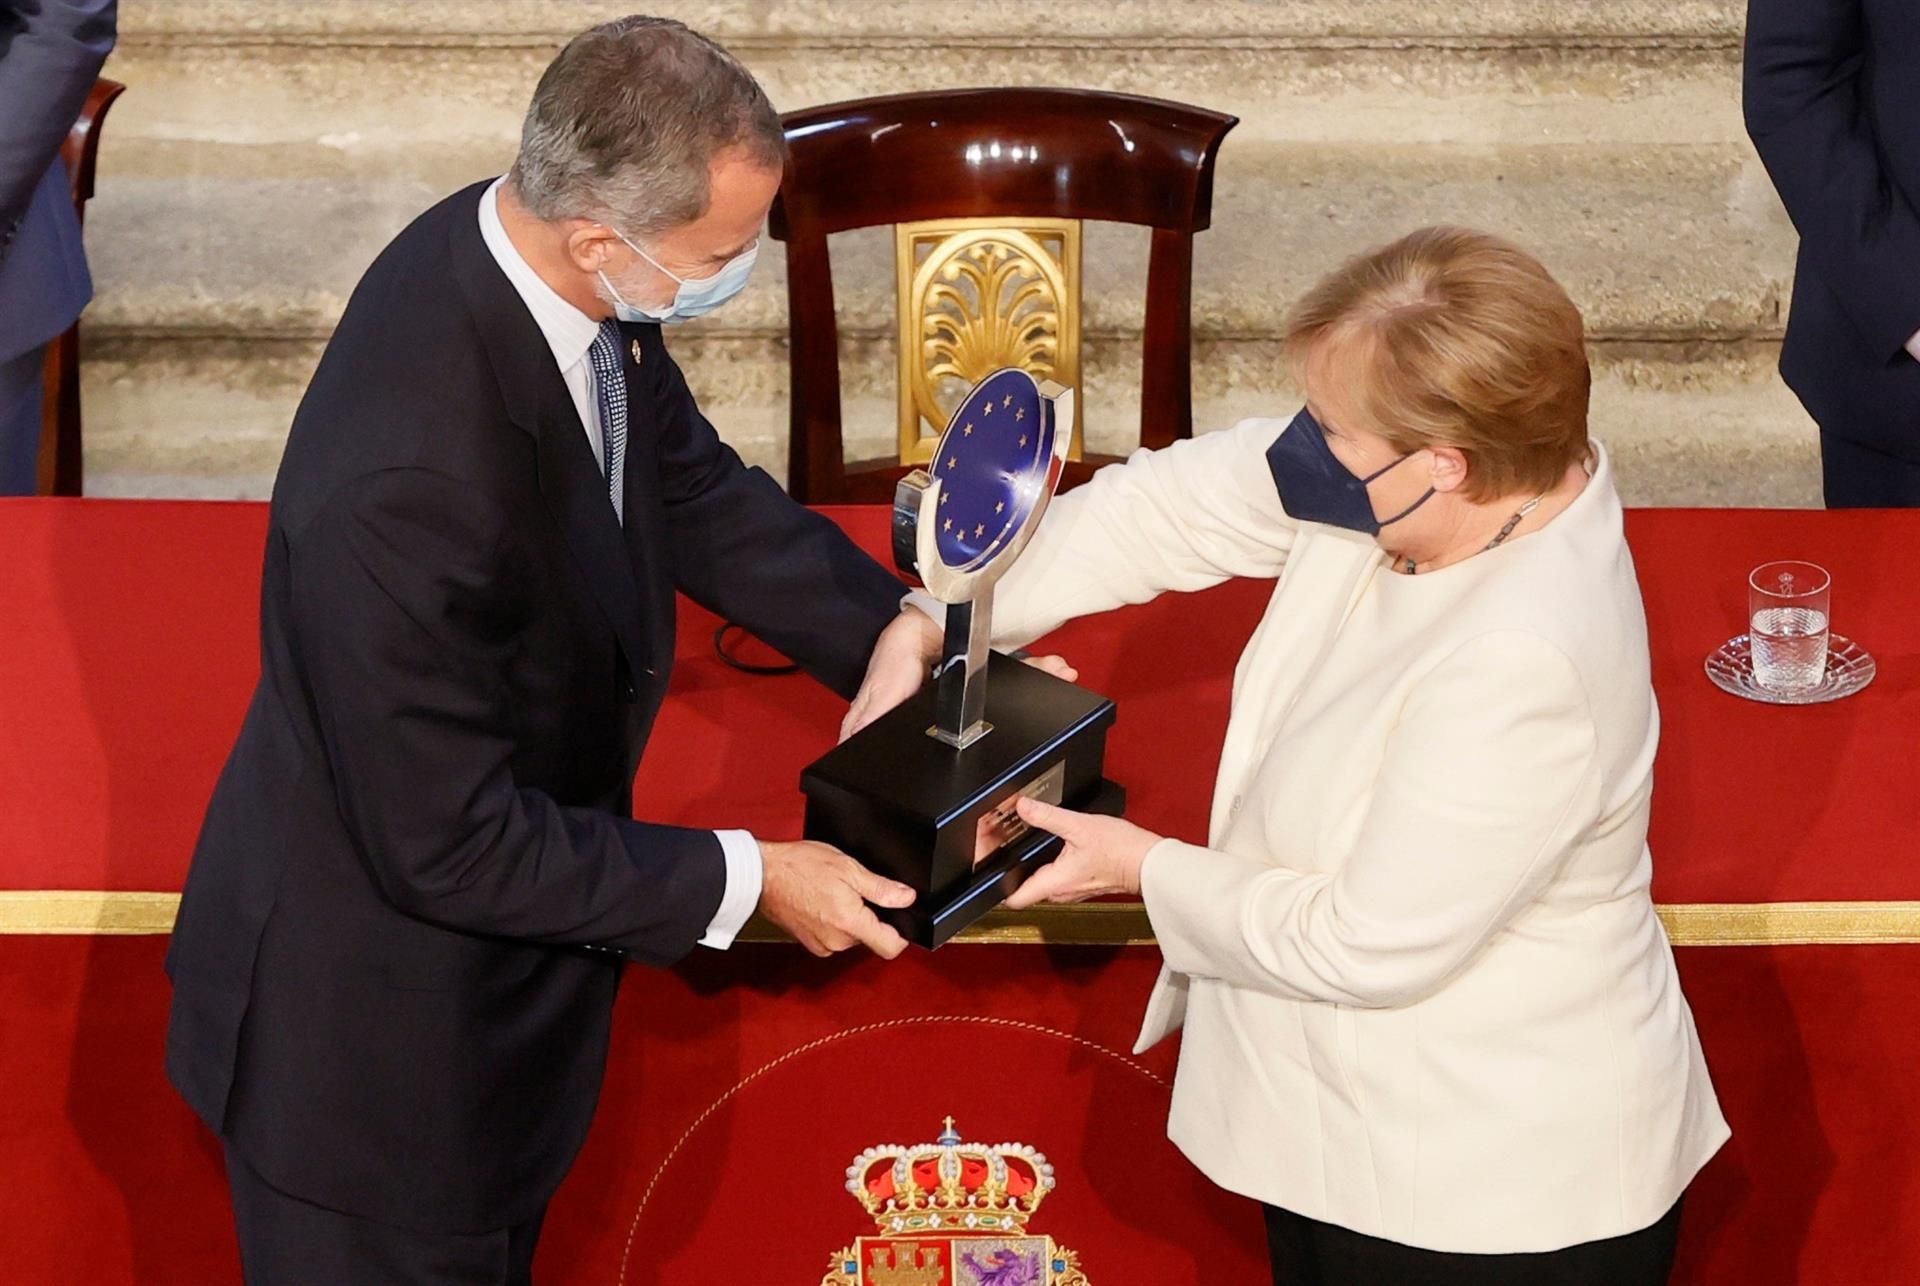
column 636, row 352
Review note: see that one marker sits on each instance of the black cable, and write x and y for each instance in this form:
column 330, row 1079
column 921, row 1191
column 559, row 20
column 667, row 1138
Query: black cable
column 745, row 667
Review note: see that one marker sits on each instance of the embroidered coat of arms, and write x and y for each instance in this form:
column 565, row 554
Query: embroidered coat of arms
column 953, row 1213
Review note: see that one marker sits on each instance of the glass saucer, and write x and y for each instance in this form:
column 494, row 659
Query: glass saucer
column 1849, row 668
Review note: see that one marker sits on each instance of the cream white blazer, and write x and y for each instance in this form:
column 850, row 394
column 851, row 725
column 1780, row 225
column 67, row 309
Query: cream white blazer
column 1425, row 993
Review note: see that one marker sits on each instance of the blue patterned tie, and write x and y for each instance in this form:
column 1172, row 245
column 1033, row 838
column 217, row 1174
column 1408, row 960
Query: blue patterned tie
column 610, row 387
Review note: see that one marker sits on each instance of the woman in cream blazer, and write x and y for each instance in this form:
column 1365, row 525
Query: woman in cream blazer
column 1431, row 1020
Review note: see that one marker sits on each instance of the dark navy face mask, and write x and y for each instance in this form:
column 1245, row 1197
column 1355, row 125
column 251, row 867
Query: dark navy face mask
column 1315, row 487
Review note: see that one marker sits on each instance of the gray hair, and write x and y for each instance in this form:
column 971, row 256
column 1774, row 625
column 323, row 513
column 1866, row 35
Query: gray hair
column 627, row 120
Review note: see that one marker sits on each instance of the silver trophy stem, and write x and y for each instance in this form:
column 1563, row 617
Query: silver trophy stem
column 960, row 694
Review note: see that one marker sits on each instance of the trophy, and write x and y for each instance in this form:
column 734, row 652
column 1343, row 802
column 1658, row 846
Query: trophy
column 925, row 794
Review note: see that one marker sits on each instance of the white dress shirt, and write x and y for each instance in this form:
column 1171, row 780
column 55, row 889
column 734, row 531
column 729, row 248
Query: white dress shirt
column 570, row 333
column 1425, row 993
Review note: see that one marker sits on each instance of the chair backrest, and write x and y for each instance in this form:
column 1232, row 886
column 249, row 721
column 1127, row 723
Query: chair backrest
column 987, row 189
column 60, row 445
column 81, row 151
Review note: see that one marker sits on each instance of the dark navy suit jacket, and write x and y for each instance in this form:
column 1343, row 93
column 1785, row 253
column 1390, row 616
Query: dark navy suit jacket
column 387, row 992
column 50, row 55
column 1832, row 95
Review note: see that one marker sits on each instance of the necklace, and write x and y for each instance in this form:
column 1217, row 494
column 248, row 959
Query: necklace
column 1519, row 516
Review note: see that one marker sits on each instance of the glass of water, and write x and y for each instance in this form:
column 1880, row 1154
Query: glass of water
column 1787, row 609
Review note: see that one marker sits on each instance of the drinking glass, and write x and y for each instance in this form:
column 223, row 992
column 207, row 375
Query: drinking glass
column 1787, row 609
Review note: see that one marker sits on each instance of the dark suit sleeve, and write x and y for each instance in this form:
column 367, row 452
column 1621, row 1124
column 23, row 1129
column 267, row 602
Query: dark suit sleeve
column 743, row 549
column 405, row 589
column 50, row 63
column 1806, row 114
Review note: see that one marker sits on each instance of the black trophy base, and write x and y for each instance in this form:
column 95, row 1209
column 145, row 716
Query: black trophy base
column 940, row 820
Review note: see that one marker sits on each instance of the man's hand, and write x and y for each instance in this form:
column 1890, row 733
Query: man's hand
column 819, row 895
column 902, row 660
column 1103, row 855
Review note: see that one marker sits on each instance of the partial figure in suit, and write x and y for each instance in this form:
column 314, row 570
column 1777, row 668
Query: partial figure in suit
column 1832, row 91
column 51, row 52
column 420, row 878
column 1432, row 1021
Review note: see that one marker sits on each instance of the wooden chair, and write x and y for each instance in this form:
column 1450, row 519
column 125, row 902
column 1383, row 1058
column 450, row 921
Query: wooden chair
column 987, row 189
column 60, row 456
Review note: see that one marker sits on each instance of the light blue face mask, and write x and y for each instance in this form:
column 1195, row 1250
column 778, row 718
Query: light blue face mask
column 693, row 298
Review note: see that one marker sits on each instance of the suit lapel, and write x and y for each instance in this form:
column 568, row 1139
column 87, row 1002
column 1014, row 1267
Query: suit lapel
column 537, row 401
column 576, row 496
column 1327, row 572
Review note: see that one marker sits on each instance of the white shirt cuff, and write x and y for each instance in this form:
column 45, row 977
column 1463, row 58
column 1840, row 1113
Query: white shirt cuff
column 928, row 604
column 744, row 877
column 1913, row 346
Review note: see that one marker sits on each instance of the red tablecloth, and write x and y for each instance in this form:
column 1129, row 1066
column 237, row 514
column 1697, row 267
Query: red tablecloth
column 742, row 1083
column 127, row 652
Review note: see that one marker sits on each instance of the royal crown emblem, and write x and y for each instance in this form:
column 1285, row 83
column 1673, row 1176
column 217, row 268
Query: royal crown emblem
column 952, row 1213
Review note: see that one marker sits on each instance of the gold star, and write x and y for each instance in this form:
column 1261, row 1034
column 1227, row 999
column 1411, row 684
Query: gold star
column 1023, row 439
column 1007, row 401
column 1020, row 414
column 947, row 525
column 979, row 531
column 988, row 409
column 946, row 497
column 967, row 431
column 1001, row 507
column 952, row 463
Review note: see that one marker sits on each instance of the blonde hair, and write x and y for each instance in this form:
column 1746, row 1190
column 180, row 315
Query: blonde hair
column 1460, row 339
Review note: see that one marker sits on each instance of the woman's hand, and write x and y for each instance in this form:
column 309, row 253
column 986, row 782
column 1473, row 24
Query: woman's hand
column 902, row 660
column 1103, row 855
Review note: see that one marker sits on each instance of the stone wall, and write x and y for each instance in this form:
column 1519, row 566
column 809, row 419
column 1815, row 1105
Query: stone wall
column 267, row 149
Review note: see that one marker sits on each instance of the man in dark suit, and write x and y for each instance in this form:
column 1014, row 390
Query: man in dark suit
column 419, row 876
column 1833, row 105
column 50, row 55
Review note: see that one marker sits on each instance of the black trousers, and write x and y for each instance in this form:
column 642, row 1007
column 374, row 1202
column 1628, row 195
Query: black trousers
column 20, row 389
column 1860, row 477
column 1307, row 1252
column 285, row 1241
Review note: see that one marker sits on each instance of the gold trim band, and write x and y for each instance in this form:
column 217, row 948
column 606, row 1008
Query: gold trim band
column 1778, row 924
column 1089, row 924
column 86, row 911
column 1688, row 924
